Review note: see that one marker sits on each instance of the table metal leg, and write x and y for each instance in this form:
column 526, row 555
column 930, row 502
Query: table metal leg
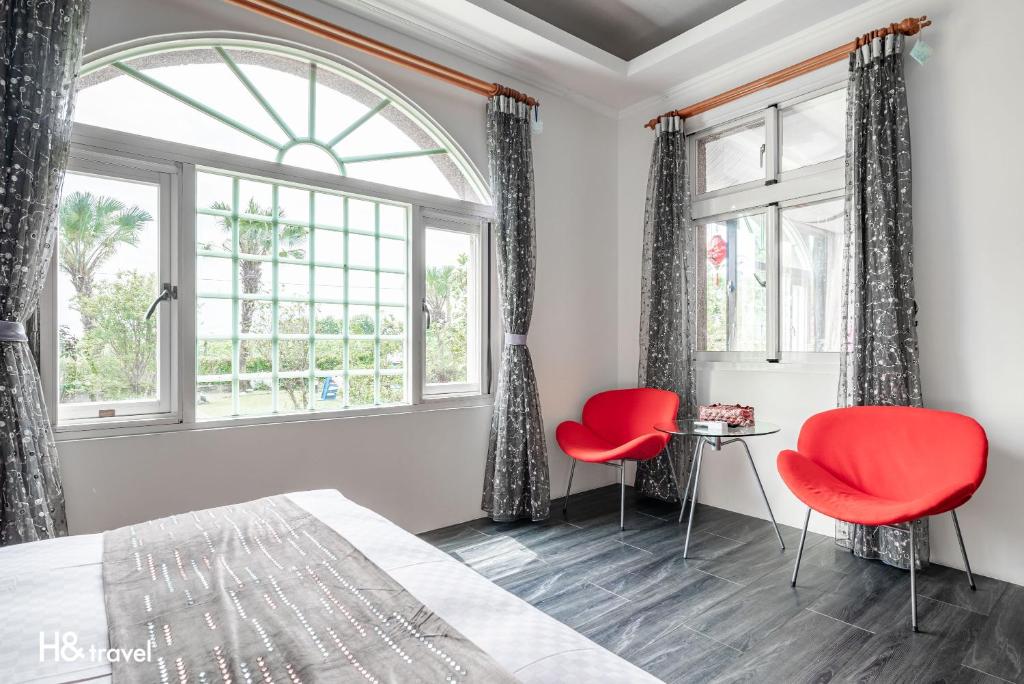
column 689, row 479
column 763, row 495
column 693, row 502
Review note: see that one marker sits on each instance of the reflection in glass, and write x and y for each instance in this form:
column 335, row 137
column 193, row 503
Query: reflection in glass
column 814, row 131
column 730, row 157
column 812, row 267
column 732, row 268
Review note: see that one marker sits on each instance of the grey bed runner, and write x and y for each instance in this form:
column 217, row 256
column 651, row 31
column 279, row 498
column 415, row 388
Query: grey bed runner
column 266, row 592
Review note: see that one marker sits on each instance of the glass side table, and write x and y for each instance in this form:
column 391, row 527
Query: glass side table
column 686, row 428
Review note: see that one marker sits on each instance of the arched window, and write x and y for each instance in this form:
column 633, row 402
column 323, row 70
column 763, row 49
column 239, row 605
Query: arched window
column 275, row 103
column 248, row 229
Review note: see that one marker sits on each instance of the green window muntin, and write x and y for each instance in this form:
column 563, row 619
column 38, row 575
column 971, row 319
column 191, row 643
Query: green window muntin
column 358, row 341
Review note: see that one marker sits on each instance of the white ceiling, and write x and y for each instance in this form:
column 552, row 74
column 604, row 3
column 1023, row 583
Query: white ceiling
column 498, row 35
column 625, row 28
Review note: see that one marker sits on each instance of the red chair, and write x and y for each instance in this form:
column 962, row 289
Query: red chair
column 886, row 465
column 618, row 425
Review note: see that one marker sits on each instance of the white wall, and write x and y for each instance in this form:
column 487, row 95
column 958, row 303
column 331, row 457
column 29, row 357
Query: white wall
column 423, row 470
column 964, row 104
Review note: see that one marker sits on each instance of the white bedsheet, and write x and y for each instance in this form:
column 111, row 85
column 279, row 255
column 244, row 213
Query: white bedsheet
column 56, row 586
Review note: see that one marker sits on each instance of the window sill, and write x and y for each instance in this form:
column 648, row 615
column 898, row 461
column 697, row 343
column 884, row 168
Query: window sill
column 824, row 366
column 154, row 425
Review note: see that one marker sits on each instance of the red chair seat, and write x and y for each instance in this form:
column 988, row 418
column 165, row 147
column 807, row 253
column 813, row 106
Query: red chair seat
column 618, row 425
column 826, row 493
column 581, row 443
column 885, row 465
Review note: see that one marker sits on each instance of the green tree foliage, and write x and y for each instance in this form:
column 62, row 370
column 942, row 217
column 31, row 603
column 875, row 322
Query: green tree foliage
column 447, row 336
column 116, row 358
column 91, row 230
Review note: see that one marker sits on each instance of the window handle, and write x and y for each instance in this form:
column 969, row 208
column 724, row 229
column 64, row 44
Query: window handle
column 168, row 293
column 426, row 310
column 764, row 148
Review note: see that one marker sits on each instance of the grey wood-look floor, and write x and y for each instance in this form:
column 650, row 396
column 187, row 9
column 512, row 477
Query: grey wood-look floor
column 727, row 613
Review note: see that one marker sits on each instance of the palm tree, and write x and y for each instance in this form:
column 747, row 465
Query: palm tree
column 445, row 294
column 91, row 230
column 256, row 237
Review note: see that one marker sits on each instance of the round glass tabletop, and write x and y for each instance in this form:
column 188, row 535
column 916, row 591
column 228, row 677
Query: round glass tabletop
column 688, row 429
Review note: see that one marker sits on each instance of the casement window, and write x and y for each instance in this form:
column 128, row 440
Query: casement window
column 768, row 216
column 247, row 232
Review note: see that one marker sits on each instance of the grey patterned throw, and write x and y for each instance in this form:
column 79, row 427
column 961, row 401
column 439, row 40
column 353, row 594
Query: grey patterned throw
column 266, row 592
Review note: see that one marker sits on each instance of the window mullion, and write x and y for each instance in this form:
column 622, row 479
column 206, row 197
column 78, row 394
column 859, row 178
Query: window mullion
column 275, row 306
column 774, row 245
column 416, row 339
column 731, row 283
column 347, row 297
column 311, row 320
column 772, row 138
column 185, row 276
column 235, row 300
column 376, row 304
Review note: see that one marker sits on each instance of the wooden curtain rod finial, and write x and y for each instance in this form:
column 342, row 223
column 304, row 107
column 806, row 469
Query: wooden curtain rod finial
column 908, row 27
column 514, row 94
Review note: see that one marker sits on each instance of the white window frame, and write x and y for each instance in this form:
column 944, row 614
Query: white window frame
column 806, row 185
column 166, row 407
column 128, row 151
column 478, row 294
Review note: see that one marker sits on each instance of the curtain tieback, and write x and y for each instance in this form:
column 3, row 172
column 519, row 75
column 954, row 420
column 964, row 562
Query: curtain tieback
column 515, row 340
column 12, row 331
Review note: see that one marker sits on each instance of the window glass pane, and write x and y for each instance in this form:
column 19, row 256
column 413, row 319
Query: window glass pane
column 292, row 318
column 731, row 156
column 255, row 317
column 279, row 332
column 330, row 247
column 214, row 316
column 108, row 274
column 256, row 396
column 261, row 103
column 451, row 296
column 213, row 400
column 732, row 267
column 330, row 319
column 814, row 131
column 812, row 268
column 214, row 275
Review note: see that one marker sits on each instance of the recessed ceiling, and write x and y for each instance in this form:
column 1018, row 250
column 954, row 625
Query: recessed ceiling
column 625, row 28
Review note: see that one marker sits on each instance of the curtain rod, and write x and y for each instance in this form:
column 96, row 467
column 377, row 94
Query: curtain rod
column 907, row 27
column 325, row 29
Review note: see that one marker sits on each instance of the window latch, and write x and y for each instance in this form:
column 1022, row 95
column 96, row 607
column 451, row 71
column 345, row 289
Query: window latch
column 167, row 293
column 426, row 310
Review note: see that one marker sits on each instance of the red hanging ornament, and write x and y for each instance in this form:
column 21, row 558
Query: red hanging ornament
column 718, row 251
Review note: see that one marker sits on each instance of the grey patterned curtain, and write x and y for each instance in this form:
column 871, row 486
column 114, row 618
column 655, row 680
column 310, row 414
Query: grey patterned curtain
column 516, row 478
column 41, row 45
column 667, row 318
column 879, row 361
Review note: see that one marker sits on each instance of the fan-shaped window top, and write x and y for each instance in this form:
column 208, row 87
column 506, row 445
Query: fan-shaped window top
column 276, row 104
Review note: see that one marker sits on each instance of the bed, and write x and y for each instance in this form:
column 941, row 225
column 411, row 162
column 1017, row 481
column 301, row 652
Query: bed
column 55, row 587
